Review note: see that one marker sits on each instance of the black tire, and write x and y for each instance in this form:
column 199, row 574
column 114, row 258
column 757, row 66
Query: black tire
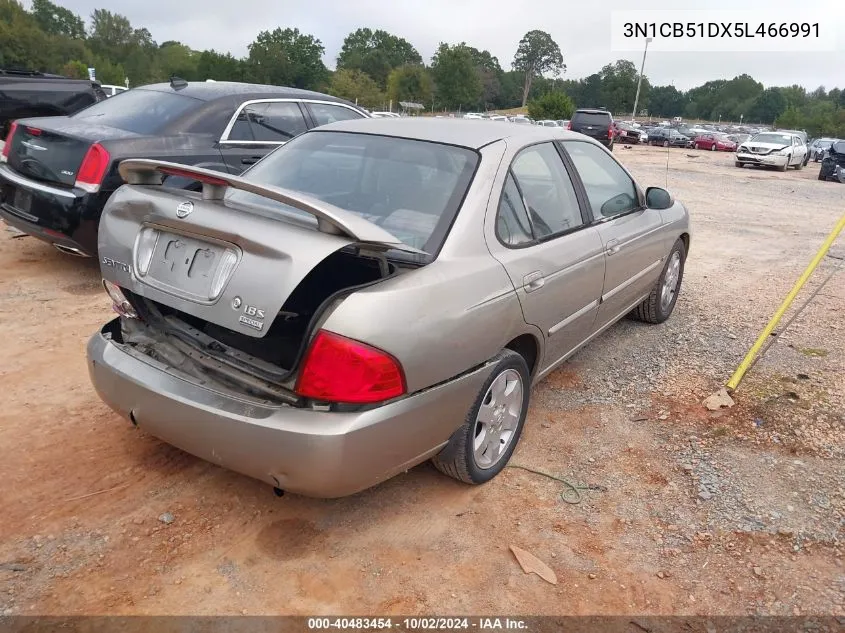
column 799, row 166
column 665, row 143
column 457, row 459
column 651, row 310
column 784, row 166
column 737, row 164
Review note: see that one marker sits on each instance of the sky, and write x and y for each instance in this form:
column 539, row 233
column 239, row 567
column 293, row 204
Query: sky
column 581, row 29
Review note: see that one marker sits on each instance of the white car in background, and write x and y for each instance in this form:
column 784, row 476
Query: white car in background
column 473, row 115
column 548, row 123
column 111, row 90
column 773, row 149
column 382, row 115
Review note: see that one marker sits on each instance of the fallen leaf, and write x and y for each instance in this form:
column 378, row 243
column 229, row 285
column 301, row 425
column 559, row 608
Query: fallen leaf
column 531, row 563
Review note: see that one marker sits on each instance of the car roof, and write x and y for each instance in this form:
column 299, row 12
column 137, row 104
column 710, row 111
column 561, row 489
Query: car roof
column 473, row 134
column 209, row 91
column 592, row 111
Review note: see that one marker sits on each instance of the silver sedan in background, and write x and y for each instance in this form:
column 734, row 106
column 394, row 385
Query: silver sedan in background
column 373, row 294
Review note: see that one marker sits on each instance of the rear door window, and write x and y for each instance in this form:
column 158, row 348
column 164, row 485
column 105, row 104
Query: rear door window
column 268, row 122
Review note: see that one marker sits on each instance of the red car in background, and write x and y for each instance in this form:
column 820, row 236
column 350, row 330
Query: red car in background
column 714, row 142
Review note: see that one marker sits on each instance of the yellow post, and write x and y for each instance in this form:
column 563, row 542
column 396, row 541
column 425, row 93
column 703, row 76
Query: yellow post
column 733, row 383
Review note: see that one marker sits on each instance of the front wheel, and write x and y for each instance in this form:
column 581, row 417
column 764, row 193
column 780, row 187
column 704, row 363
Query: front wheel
column 660, row 303
column 737, row 164
column 713, row 148
column 665, row 143
column 696, row 146
column 480, row 449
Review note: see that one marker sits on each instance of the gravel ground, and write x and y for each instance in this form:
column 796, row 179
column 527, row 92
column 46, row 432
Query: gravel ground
column 738, row 511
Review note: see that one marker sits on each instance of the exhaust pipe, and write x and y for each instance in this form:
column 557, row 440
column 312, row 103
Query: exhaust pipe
column 70, row 250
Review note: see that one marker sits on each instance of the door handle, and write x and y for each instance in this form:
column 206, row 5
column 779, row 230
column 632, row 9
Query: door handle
column 533, row 281
column 612, row 247
column 251, row 160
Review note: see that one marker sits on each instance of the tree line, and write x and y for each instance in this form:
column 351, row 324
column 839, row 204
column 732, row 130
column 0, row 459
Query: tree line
column 375, row 67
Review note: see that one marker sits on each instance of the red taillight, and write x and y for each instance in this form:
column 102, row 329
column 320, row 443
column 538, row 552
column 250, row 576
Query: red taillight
column 338, row 369
column 190, row 175
column 93, row 168
column 569, row 125
column 33, row 131
column 610, row 132
column 8, row 145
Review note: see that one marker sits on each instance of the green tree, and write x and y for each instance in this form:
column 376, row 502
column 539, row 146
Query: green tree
column 456, row 76
column 665, row 101
column 287, row 58
column 552, row 105
column 56, row 20
column 790, row 119
column 768, row 106
column 179, row 60
column 111, row 33
column 356, row 86
column 75, row 69
column 536, row 55
column 490, row 74
column 410, row 83
column 619, row 86
column 376, row 53
column 219, row 66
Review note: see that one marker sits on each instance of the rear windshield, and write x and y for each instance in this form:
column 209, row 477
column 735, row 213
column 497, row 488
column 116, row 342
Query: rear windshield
column 591, row 118
column 138, row 110
column 410, row 188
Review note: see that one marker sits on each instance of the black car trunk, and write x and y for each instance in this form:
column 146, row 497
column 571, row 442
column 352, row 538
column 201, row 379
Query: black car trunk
column 46, row 155
column 595, row 125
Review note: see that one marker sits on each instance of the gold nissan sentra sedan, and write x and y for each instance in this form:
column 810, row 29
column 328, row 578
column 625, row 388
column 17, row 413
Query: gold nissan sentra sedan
column 372, row 294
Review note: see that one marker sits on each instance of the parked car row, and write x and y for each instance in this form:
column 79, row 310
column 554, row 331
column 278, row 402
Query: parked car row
column 271, row 255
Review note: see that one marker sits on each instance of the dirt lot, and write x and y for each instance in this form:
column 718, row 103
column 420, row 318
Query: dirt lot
column 735, row 512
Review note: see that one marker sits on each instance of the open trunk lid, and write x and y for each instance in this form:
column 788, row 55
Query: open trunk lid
column 233, row 266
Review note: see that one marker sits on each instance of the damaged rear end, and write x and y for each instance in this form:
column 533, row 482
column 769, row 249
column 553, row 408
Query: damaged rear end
column 229, row 297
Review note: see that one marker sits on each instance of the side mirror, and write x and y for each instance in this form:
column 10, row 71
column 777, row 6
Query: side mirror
column 658, row 198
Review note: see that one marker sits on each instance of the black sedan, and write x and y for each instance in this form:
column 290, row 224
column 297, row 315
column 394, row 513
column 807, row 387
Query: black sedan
column 667, row 137
column 57, row 172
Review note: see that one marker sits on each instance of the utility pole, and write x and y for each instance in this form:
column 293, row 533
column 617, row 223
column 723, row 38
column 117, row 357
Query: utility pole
column 640, row 80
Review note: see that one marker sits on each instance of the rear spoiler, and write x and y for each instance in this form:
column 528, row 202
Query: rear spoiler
column 330, row 219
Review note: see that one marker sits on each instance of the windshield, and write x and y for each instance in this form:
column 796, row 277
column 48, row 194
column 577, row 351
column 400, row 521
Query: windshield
column 412, row 189
column 777, row 139
column 138, row 110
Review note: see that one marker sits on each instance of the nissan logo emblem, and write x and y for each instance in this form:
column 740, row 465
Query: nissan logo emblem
column 184, row 209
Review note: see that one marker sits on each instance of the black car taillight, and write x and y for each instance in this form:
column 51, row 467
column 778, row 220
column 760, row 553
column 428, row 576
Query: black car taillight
column 93, row 169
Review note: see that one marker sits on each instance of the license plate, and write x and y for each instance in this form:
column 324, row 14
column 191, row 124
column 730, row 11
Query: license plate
column 186, row 266
column 22, row 200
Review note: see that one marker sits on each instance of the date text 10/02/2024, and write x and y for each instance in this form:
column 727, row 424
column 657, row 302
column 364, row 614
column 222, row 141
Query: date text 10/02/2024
column 419, row 624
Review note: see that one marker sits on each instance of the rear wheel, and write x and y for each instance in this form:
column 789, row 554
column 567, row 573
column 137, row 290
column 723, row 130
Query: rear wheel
column 696, row 146
column 660, row 303
column 480, row 449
